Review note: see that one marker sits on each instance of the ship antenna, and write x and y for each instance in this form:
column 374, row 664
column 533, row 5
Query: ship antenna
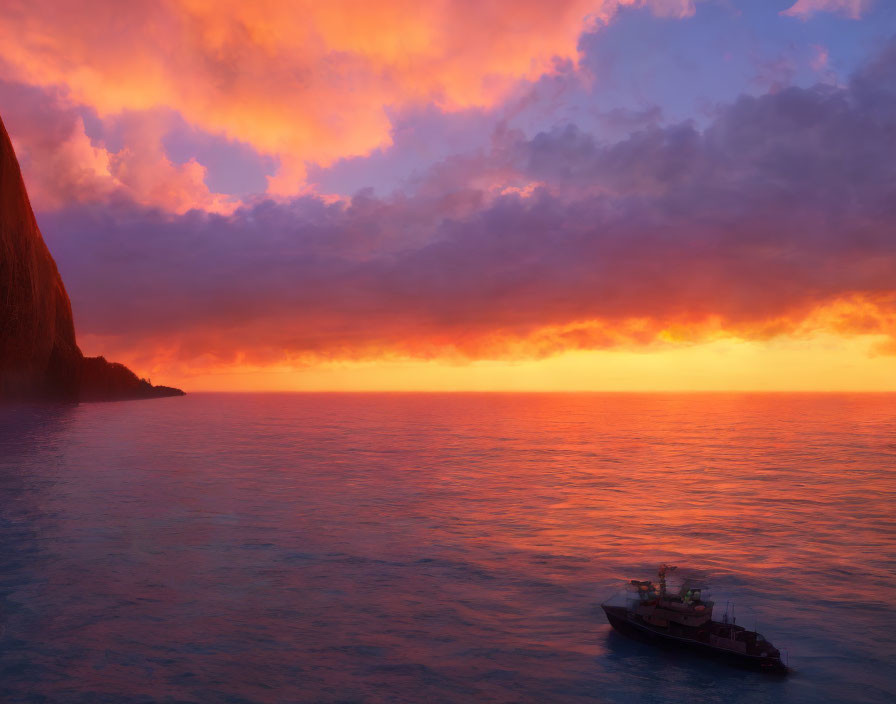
column 661, row 573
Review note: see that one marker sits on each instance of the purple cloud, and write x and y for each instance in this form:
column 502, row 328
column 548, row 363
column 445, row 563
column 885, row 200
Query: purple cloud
column 785, row 202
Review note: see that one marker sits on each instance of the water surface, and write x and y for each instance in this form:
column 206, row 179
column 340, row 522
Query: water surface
column 438, row 548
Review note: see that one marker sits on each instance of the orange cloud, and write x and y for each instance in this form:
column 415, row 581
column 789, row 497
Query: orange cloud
column 308, row 81
column 840, row 345
column 277, row 343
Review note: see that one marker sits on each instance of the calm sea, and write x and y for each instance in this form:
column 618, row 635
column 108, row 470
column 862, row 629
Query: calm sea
column 439, row 548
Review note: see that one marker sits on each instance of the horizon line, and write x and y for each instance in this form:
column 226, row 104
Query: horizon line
column 883, row 392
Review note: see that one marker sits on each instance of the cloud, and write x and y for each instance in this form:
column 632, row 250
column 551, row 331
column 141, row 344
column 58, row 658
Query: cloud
column 309, row 82
column 62, row 164
column 819, row 62
column 777, row 218
column 804, row 9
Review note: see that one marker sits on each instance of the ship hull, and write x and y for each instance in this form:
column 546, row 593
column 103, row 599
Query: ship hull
column 620, row 620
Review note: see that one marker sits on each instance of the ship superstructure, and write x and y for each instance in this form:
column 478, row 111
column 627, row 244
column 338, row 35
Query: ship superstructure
column 684, row 617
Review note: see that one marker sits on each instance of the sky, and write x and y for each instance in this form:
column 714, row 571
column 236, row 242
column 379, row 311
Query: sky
column 467, row 195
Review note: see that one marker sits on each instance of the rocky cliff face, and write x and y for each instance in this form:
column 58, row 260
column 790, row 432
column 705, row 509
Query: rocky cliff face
column 39, row 358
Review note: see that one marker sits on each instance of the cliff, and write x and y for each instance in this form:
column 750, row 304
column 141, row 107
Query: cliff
column 39, row 357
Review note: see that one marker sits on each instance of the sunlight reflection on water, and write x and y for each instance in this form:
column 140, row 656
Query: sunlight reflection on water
column 424, row 547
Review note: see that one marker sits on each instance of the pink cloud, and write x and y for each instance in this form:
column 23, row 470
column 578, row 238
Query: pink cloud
column 63, row 165
column 804, row 9
column 820, row 60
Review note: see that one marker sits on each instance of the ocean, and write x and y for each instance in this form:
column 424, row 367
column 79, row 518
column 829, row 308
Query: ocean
column 439, row 547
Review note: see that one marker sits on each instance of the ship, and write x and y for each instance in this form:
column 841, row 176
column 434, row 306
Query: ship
column 683, row 619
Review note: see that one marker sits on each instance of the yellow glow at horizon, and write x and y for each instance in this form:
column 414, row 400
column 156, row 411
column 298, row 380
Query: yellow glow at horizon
column 824, row 362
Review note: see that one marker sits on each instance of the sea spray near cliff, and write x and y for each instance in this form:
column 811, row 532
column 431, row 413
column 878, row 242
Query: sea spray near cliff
column 39, row 356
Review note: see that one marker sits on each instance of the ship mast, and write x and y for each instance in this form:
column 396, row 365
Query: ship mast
column 662, row 575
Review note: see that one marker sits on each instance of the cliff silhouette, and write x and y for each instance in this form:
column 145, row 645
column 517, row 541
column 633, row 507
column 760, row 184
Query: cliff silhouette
column 39, row 357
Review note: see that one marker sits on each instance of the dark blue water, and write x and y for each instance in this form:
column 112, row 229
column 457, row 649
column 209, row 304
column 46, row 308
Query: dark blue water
column 439, row 548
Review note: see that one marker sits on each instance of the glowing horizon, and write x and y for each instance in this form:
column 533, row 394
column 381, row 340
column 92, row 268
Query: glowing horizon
column 827, row 363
